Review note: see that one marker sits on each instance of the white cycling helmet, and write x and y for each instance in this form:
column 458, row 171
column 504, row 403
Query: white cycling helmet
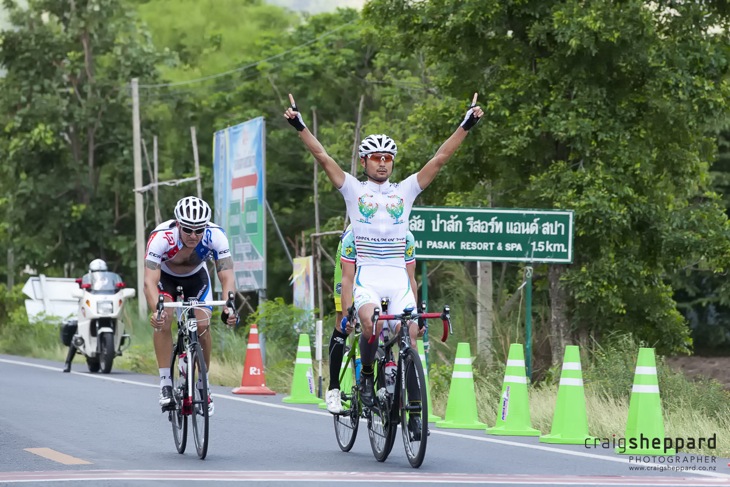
column 192, row 212
column 97, row 265
column 377, row 143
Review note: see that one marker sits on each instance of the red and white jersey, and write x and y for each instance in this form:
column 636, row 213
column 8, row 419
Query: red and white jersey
column 164, row 244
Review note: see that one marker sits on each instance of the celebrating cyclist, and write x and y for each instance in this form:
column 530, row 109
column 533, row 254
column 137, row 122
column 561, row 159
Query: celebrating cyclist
column 176, row 254
column 344, row 281
column 379, row 212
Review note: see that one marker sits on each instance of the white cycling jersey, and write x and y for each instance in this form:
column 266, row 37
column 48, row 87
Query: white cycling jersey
column 379, row 214
column 164, row 244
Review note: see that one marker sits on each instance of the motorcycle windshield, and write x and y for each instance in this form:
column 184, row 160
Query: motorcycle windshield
column 104, row 282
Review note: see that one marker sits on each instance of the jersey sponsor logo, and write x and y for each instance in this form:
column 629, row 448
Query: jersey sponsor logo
column 338, row 288
column 366, row 208
column 395, row 209
column 152, row 254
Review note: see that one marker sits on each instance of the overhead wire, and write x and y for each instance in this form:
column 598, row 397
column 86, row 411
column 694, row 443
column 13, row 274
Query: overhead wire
column 247, row 66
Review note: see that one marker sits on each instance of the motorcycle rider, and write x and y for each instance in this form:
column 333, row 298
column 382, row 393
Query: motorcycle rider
column 177, row 251
column 96, row 265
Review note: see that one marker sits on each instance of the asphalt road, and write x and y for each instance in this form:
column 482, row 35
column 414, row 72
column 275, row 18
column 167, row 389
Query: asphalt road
column 100, row 429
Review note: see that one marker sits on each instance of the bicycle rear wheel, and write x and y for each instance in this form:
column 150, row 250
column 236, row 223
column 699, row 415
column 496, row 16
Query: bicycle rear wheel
column 381, row 427
column 199, row 412
column 175, row 415
column 414, row 409
column 346, row 424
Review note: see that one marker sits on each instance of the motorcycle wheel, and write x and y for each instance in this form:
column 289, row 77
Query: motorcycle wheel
column 106, row 357
column 93, row 364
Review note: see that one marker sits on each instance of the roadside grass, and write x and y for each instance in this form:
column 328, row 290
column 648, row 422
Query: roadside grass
column 692, row 409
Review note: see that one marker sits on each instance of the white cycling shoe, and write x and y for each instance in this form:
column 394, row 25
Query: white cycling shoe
column 334, row 403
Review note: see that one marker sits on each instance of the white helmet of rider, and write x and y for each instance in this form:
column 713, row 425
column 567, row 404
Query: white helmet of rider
column 192, row 212
column 377, row 143
column 97, row 265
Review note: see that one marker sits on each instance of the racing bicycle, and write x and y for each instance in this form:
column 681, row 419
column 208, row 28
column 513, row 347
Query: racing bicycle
column 189, row 374
column 403, row 400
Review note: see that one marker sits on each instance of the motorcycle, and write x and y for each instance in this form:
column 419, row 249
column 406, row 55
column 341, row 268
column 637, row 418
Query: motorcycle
column 98, row 331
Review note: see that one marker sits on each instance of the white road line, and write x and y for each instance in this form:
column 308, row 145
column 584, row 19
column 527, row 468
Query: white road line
column 484, row 439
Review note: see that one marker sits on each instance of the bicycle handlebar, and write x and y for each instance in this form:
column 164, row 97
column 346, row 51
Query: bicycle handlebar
column 445, row 317
column 193, row 304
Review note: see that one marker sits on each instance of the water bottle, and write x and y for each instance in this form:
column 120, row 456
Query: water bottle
column 358, row 366
column 391, row 369
column 183, row 365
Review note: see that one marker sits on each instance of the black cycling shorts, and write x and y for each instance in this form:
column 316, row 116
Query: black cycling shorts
column 194, row 286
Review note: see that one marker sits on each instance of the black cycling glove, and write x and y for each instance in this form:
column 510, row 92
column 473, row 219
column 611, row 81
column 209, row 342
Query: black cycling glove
column 296, row 122
column 224, row 317
column 469, row 120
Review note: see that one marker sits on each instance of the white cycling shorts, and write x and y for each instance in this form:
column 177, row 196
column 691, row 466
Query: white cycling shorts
column 373, row 283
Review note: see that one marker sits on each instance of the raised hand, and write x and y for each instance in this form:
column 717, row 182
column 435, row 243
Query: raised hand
column 293, row 116
column 473, row 115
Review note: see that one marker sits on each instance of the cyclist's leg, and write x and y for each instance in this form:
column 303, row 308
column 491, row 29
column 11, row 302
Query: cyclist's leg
column 162, row 341
column 337, row 351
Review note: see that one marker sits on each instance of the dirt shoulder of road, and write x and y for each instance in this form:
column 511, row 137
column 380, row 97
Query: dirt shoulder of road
column 717, row 368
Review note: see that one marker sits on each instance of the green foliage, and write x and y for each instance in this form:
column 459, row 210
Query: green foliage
column 609, row 112
column 66, row 131
column 20, row 337
column 281, row 324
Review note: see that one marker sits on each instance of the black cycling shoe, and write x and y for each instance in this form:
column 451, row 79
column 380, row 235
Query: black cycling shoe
column 166, row 397
column 366, row 390
column 67, row 367
column 414, row 427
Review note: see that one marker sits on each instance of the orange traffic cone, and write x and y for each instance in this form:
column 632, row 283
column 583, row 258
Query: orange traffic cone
column 253, row 380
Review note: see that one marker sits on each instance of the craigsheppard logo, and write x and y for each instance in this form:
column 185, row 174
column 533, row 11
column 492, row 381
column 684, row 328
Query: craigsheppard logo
column 666, row 444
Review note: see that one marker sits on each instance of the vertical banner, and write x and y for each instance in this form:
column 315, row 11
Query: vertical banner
column 303, row 283
column 239, row 167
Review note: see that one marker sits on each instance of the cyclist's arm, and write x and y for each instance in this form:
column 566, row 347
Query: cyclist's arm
column 429, row 172
column 331, row 168
column 151, row 279
column 224, row 268
column 411, row 268
column 348, row 280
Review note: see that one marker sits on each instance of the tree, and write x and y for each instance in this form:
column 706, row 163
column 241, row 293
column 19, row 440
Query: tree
column 611, row 112
column 67, row 139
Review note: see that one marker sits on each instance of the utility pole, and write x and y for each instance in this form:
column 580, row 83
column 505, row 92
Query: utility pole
column 197, row 161
column 138, row 198
column 318, row 242
column 156, row 176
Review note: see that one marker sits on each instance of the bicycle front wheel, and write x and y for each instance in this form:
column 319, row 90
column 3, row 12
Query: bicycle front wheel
column 346, row 424
column 414, row 408
column 176, row 415
column 199, row 414
column 381, row 427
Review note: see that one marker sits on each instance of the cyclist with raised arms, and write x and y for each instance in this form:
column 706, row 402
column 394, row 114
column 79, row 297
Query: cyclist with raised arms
column 379, row 212
column 344, row 281
column 176, row 254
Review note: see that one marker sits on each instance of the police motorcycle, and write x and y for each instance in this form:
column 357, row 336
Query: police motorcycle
column 98, row 331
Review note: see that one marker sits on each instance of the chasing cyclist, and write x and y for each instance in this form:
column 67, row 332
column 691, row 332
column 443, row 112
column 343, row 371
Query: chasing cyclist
column 344, row 280
column 176, row 254
column 379, row 211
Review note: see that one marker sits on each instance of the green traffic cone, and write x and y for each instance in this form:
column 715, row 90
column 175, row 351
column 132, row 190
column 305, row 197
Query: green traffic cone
column 422, row 354
column 570, row 423
column 461, row 408
column 513, row 414
column 345, row 383
column 302, row 386
column 645, row 426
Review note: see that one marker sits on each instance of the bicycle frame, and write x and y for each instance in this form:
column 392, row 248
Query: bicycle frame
column 184, row 402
